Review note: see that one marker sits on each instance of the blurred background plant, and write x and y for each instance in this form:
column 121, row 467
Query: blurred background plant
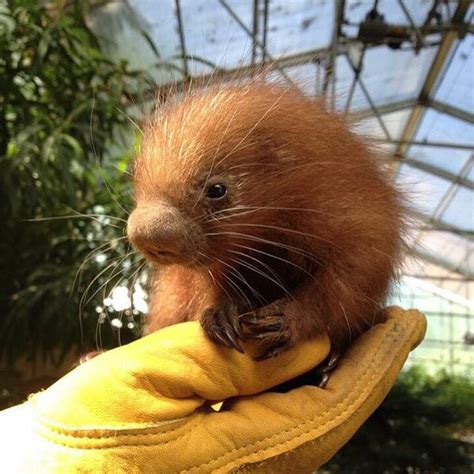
column 66, row 140
column 423, row 426
column 66, row 143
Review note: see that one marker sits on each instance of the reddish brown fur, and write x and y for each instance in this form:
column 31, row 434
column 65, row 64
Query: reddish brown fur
column 295, row 176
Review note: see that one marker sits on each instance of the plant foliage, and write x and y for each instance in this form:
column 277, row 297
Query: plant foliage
column 421, row 427
column 63, row 151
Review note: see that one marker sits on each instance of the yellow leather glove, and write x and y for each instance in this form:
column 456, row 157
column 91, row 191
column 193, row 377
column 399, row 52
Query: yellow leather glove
column 145, row 408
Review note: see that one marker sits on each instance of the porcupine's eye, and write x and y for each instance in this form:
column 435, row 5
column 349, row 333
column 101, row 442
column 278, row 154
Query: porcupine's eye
column 216, row 191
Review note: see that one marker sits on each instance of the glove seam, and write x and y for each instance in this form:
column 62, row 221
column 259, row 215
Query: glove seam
column 49, row 431
column 75, row 432
column 347, row 402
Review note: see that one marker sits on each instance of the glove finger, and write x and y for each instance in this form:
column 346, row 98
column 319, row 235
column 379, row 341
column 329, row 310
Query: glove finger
column 306, row 426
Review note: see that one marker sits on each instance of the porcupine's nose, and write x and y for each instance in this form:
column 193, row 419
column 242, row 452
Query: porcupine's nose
column 160, row 233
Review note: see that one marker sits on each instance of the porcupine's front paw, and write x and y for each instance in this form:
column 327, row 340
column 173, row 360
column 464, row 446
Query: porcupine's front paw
column 269, row 326
column 222, row 325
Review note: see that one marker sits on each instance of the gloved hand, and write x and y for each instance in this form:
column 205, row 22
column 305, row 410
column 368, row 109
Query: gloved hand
column 144, row 407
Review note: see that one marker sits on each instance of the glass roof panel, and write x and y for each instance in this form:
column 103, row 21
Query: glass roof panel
column 457, row 85
column 440, row 127
column 389, row 75
column 299, row 25
column 394, row 122
column 449, row 159
column 369, row 127
column 424, row 190
column 123, row 25
column 344, row 78
column 305, row 76
column 449, row 248
column 358, row 101
column 212, row 34
column 460, row 211
column 395, row 75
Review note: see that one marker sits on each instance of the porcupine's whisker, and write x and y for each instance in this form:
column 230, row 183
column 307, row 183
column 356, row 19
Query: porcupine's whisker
column 130, row 120
column 284, row 229
column 86, row 239
column 84, row 295
column 255, row 209
column 257, row 164
column 106, row 311
column 104, row 287
column 101, row 248
column 94, row 217
column 276, row 257
column 245, row 264
column 135, row 276
column 104, row 248
column 216, row 282
column 237, row 290
column 253, row 238
column 241, row 278
column 78, row 273
column 109, row 187
column 117, row 275
column 286, row 261
column 74, row 216
column 117, row 263
column 259, row 262
column 347, row 322
column 216, row 216
column 259, row 272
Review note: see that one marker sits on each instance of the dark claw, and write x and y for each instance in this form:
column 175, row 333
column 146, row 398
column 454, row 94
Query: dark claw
column 233, row 339
column 330, row 365
column 233, row 319
column 324, row 381
column 220, row 338
column 222, row 326
column 333, row 361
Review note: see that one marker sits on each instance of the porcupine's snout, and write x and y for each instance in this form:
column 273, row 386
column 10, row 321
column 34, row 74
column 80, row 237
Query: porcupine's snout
column 163, row 234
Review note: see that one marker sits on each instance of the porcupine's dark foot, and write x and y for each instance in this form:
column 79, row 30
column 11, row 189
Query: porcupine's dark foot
column 268, row 326
column 222, row 325
column 327, row 369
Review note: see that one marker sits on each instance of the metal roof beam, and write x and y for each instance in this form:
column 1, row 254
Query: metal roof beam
column 330, row 74
column 219, row 74
column 455, row 146
column 451, row 110
column 255, row 30
column 460, row 279
column 454, row 178
column 383, row 109
column 438, row 225
column 443, row 263
column 433, row 75
column 408, row 103
column 260, row 44
column 375, row 110
column 182, row 42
